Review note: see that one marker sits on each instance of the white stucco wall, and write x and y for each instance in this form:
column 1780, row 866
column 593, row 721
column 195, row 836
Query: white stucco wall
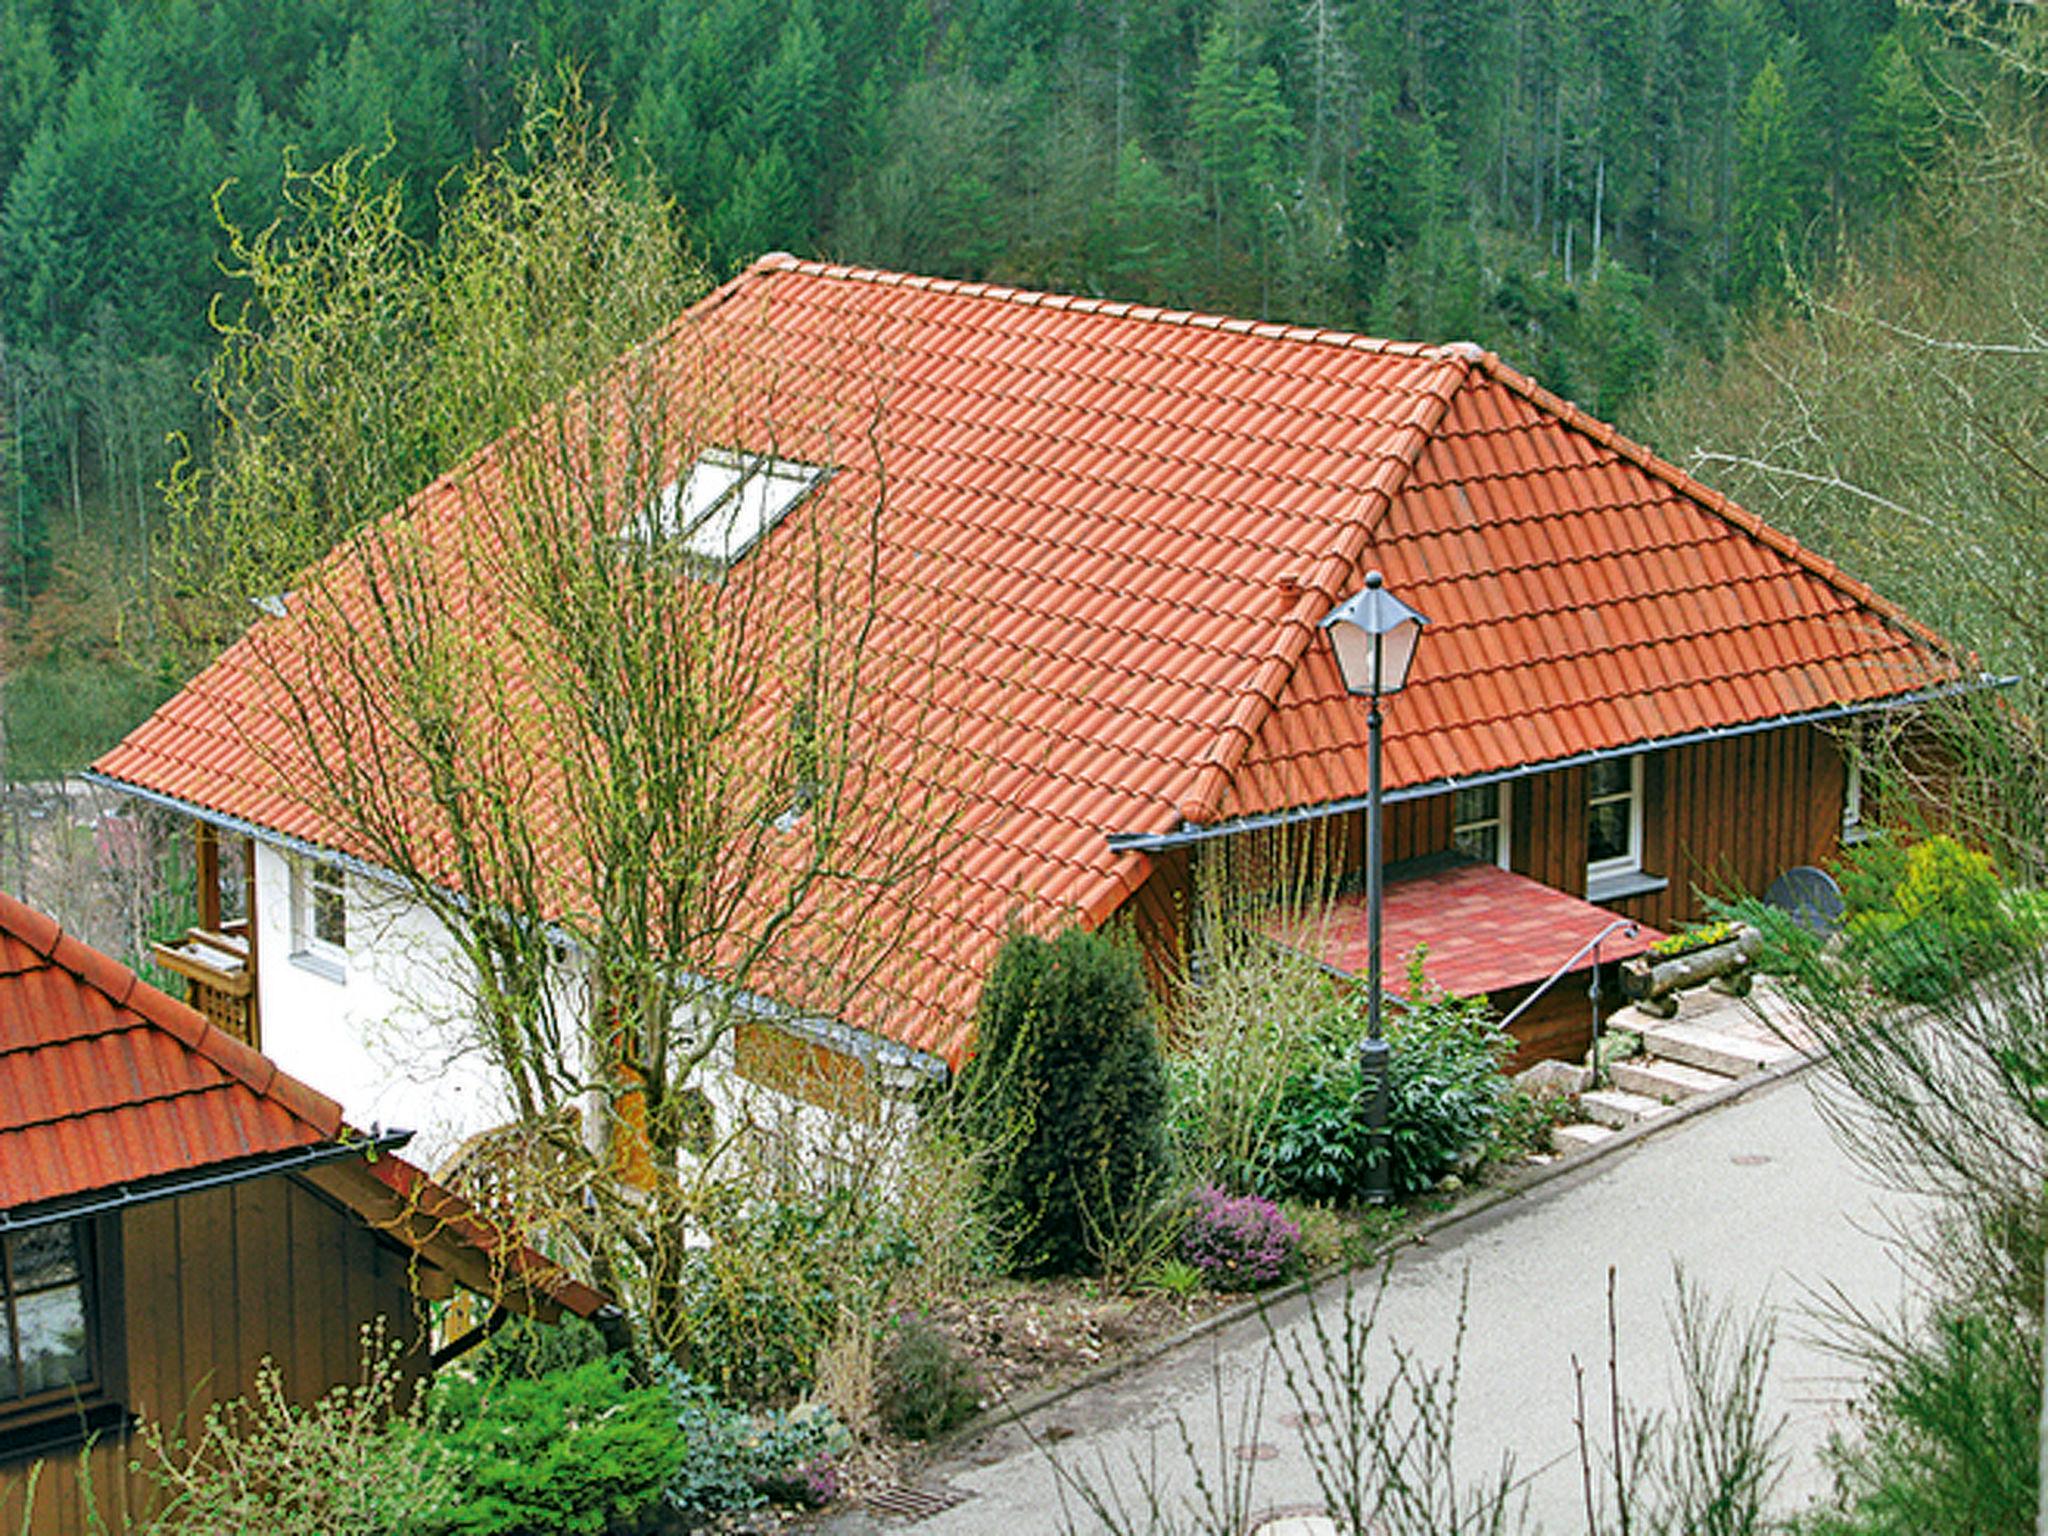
column 384, row 1039
column 386, row 1036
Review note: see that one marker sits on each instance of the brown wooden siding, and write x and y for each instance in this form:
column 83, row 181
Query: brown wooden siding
column 1719, row 817
column 208, row 1285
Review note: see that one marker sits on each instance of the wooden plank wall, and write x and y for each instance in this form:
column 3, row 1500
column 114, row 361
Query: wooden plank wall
column 1719, row 817
column 1731, row 816
column 211, row 1283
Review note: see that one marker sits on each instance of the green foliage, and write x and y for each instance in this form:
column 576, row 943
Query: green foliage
column 529, row 1350
column 1066, row 1095
column 1947, row 1431
column 352, row 1463
column 736, row 1460
column 67, row 708
column 582, row 1449
column 755, row 1304
column 1174, row 1277
column 1694, row 936
column 927, row 1387
column 1923, row 920
column 1445, row 1090
column 367, row 360
column 1250, row 1016
column 579, row 1452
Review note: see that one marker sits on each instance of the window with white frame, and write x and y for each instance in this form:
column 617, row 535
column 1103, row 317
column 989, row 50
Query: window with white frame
column 1614, row 817
column 722, row 507
column 320, row 914
column 1479, row 823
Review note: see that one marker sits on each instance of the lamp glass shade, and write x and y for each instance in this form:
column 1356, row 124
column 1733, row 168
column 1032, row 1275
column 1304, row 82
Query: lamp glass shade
column 1374, row 635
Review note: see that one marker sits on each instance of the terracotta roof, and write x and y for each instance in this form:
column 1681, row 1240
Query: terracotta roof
column 106, row 1081
column 1116, row 527
column 1486, row 929
column 107, row 1084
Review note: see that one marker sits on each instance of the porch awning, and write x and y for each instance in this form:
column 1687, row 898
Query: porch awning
column 1487, row 929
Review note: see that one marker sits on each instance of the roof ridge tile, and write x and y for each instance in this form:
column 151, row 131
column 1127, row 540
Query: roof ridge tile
column 38, row 930
column 781, row 262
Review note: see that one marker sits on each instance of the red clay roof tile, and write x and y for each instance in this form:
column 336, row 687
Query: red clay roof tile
column 1091, row 507
column 105, row 1081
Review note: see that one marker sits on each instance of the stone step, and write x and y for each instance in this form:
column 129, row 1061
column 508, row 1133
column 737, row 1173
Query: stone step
column 1619, row 1109
column 1667, row 1081
column 1567, row 1139
column 1714, row 1050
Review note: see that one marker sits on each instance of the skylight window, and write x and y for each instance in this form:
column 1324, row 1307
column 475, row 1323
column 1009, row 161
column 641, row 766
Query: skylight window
column 728, row 500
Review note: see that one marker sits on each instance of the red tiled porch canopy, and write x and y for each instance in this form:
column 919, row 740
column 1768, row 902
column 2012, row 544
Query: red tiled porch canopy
column 1487, row 929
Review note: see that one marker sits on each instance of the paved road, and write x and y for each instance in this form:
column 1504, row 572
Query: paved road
column 1753, row 1199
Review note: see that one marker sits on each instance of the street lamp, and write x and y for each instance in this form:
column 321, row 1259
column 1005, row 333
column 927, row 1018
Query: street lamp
column 1374, row 635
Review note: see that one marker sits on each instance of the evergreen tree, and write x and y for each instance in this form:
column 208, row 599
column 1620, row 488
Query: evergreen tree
column 30, row 83
column 1770, row 187
column 1065, row 1096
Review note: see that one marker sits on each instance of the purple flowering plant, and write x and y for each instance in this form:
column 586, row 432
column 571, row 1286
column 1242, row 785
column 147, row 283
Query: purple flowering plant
column 1238, row 1242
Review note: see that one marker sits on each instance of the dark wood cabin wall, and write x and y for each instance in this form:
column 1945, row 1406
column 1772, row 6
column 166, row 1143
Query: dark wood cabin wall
column 1734, row 814
column 1559, row 1026
column 210, row 1284
column 1158, row 917
column 1719, row 817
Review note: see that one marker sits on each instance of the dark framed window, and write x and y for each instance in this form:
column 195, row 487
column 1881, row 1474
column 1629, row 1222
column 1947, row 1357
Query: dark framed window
column 48, row 1319
column 1479, row 823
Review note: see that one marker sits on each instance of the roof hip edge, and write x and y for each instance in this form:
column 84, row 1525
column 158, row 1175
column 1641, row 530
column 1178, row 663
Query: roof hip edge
column 1713, row 501
column 1320, row 591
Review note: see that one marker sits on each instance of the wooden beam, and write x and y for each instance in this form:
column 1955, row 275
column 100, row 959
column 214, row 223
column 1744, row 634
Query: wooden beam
column 207, row 840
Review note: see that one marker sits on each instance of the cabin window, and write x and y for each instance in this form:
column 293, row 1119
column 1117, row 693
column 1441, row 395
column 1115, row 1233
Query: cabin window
column 1479, row 823
column 320, row 916
column 1614, row 818
column 45, row 1319
column 729, row 499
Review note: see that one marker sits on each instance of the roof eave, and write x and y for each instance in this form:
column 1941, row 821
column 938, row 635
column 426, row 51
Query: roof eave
column 1191, row 833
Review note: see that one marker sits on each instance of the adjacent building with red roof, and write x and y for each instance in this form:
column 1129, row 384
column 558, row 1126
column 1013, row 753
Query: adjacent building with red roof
column 1110, row 532
column 174, row 1209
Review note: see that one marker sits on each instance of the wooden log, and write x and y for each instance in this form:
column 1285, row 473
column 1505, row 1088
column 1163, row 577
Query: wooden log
column 1648, row 976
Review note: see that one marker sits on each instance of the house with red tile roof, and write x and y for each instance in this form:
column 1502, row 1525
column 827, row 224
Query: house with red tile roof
column 1110, row 532
column 174, row 1210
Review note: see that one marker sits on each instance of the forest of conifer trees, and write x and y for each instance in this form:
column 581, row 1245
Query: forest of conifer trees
column 1595, row 188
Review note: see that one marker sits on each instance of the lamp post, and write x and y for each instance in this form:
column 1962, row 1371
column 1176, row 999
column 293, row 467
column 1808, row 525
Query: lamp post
column 1374, row 635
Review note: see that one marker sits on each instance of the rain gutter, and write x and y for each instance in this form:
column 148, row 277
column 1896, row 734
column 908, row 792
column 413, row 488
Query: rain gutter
column 1188, row 835
column 125, row 1196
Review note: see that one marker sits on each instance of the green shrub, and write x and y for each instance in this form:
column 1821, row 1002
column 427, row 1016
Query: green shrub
column 581, row 1452
column 1947, row 1437
column 530, row 1349
column 585, row 1451
column 736, row 1460
column 757, row 1303
column 1445, row 1099
column 927, row 1387
column 1923, row 920
column 1065, row 1097
column 352, row 1463
column 1258, row 1015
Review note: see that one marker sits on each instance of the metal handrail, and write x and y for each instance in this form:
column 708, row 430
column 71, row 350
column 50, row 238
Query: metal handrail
column 1624, row 925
